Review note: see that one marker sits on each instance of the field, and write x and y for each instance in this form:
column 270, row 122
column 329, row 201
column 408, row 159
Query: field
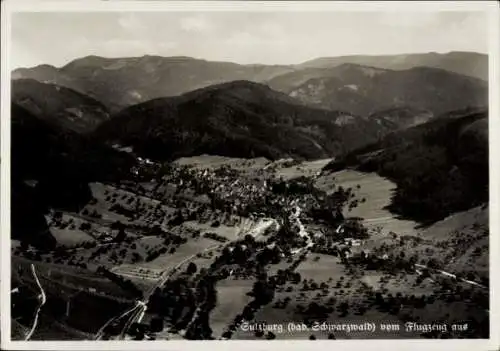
column 287, row 322
column 327, row 278
column 404, row 283
column 113, row 254
column 325, row 281
column 272, row 269
column 66, row 276
column 377, row 192
column 153, row 269
column 191, row 248
column 110, row 205
column 228, row 232
column 469, row 235
column 231, row 299
column 51, row 330
column 346, row 293
column 146, row 211
column 71, row 235
column 303, row 169
column 322, row 269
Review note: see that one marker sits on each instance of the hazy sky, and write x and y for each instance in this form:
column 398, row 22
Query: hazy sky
column 271, row 38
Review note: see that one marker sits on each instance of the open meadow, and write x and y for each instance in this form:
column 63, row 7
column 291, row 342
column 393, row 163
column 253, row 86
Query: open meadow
column 231, row 299
column 377, row 192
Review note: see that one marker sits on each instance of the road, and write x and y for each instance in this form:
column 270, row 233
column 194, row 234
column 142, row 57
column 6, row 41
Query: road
column 138, row 311
column 43, row 299
column 100, row 333
column 256, row 231
column 451, row 275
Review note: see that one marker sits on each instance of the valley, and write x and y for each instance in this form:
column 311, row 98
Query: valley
column 165, row 198
column 152, row 251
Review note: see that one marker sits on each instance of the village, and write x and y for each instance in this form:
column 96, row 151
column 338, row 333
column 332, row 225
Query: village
column 249, row 228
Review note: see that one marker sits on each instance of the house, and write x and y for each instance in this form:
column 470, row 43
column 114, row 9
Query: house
column 352, row 242
column 356, row 242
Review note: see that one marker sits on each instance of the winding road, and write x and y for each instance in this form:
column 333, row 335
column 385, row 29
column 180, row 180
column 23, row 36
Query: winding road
column 100, row 333
column 451, row 275
column 43, row 299
column 138, row 311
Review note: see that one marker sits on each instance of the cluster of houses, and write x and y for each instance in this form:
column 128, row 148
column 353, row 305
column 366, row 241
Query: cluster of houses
column 143, row 164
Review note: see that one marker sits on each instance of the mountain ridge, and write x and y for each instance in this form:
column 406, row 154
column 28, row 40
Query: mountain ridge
column 365, row 90
column 468, row 63
column 122, row 82
column 237, row 119
column 63, row 106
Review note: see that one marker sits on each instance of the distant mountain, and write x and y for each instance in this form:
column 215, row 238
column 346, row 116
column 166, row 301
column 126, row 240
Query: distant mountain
column 366, row 90
column 238, row 119
column 51, row 168
column 122, row 82
column 440, row 167
column 62, row 106
column 466, row 63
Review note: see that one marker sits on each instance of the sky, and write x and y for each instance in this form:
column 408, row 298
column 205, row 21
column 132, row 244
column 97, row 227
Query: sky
column 57, row 38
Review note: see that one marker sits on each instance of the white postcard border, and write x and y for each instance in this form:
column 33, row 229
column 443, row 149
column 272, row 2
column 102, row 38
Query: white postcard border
column 11, row 6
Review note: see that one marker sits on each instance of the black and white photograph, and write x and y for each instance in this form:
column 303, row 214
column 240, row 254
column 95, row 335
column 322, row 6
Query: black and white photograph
column 248, row 171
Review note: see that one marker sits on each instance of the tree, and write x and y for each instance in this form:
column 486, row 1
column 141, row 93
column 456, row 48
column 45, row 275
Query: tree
column 136, row 257
column 191, row 268
column 156, row 325
column 85, row 226
column 249, row 239
column 117, row 225
column 121, row 235
column 270, row 336
column 433, row 263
